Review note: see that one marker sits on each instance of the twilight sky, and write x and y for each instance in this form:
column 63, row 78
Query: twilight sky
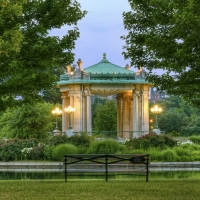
column 100, row 32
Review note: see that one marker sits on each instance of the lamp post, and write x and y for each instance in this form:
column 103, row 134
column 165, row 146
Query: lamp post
column 69, row 110
column 156, row 109
column 56, row 112
column 151, row 124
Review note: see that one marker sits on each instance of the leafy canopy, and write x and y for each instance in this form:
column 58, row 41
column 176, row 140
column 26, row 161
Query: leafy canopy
column 165, row 35
column 106, row 116
column 28, row 66
column 27, row 121
column 11, row 37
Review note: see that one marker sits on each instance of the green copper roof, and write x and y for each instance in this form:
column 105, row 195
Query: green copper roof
column 106, row 67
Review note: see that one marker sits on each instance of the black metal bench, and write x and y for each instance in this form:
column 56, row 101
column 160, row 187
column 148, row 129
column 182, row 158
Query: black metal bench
column 106, row 163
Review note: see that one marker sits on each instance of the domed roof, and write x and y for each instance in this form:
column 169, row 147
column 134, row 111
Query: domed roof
column 106, row 67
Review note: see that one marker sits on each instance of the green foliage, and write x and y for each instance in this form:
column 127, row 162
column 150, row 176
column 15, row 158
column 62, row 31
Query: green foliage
column 95, row 103
column 173, row 134
column 27, row 121
column 35, row 54
column 48, row 152
column 105, row 147
column 11, row 38
column 155, row 154
column 81, row 139
column 169, row 155
column 52, row 95
column 150, row 140
column 195, row 139
column 37, row 153
column 12, row 149
column 62, row 149
column 178, row 116
column 190, row 130
column 163, row 35
column 172, row 120
column 56, row 140
column 106, row 116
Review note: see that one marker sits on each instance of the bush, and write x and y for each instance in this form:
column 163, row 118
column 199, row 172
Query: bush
column 105, row 147
column 195, row 139
column 150, row 140
column 62, row 149
column 37, row 153
column 12, row 149
column 155, row 154
column 48, row 152
column 174, row 134
column 169, row 155
column 82, row 150
column 56, row 140
column 82, row 140
column 182, row 152
column 196, row 155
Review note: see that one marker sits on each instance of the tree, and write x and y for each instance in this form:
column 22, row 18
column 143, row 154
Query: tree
column 106, row 116
column 31, row 70
column 10, row 38
column 172, row 120
column 27, row 121
column 95, row 103
column 165, row 35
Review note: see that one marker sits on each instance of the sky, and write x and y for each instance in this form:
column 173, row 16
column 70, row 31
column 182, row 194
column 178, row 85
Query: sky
column 100, row 32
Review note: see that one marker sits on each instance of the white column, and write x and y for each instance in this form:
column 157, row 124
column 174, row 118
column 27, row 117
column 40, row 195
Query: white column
column 89, row 114
column 135, row 112
column 140, row 113
column 119, row 116
column 64, row 114
column 71, row 103
column 83, row 112
column 145, row 109
column 126, row 115
column 142, row 110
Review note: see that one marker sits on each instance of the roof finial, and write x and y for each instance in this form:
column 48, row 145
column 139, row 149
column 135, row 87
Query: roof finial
column 104, row 55
column 127, row 67
column 79, row 63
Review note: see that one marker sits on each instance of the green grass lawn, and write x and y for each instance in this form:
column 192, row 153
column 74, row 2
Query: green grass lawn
column 100, row 190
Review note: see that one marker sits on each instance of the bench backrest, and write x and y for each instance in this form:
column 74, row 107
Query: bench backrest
column 106, row 158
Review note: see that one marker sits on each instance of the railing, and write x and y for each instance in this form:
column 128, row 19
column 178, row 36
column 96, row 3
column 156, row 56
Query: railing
column 110, row 134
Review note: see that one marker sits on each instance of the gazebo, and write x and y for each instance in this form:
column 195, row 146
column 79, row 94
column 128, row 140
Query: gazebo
column 105, row 79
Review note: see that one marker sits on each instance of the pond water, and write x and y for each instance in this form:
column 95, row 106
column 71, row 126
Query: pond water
column 11, row 175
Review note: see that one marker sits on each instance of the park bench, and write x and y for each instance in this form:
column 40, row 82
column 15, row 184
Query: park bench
column 107, row 164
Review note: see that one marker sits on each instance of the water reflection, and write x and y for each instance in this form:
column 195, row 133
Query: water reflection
column 59, row 175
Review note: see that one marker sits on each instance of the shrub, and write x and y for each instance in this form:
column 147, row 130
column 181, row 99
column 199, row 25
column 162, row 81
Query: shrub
column 12, row 149
column 173, row 134
column 60, row 150
column 195, row 139
column 48, row 152
column 80, row 140
column 37, row 153
column 169, row 155
column 105, row 147
column 186, row 159
column 150, row 140
column 196, row 155
column 155, row 154
column 56, row 140
column 182, row 152
column 82, row 150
